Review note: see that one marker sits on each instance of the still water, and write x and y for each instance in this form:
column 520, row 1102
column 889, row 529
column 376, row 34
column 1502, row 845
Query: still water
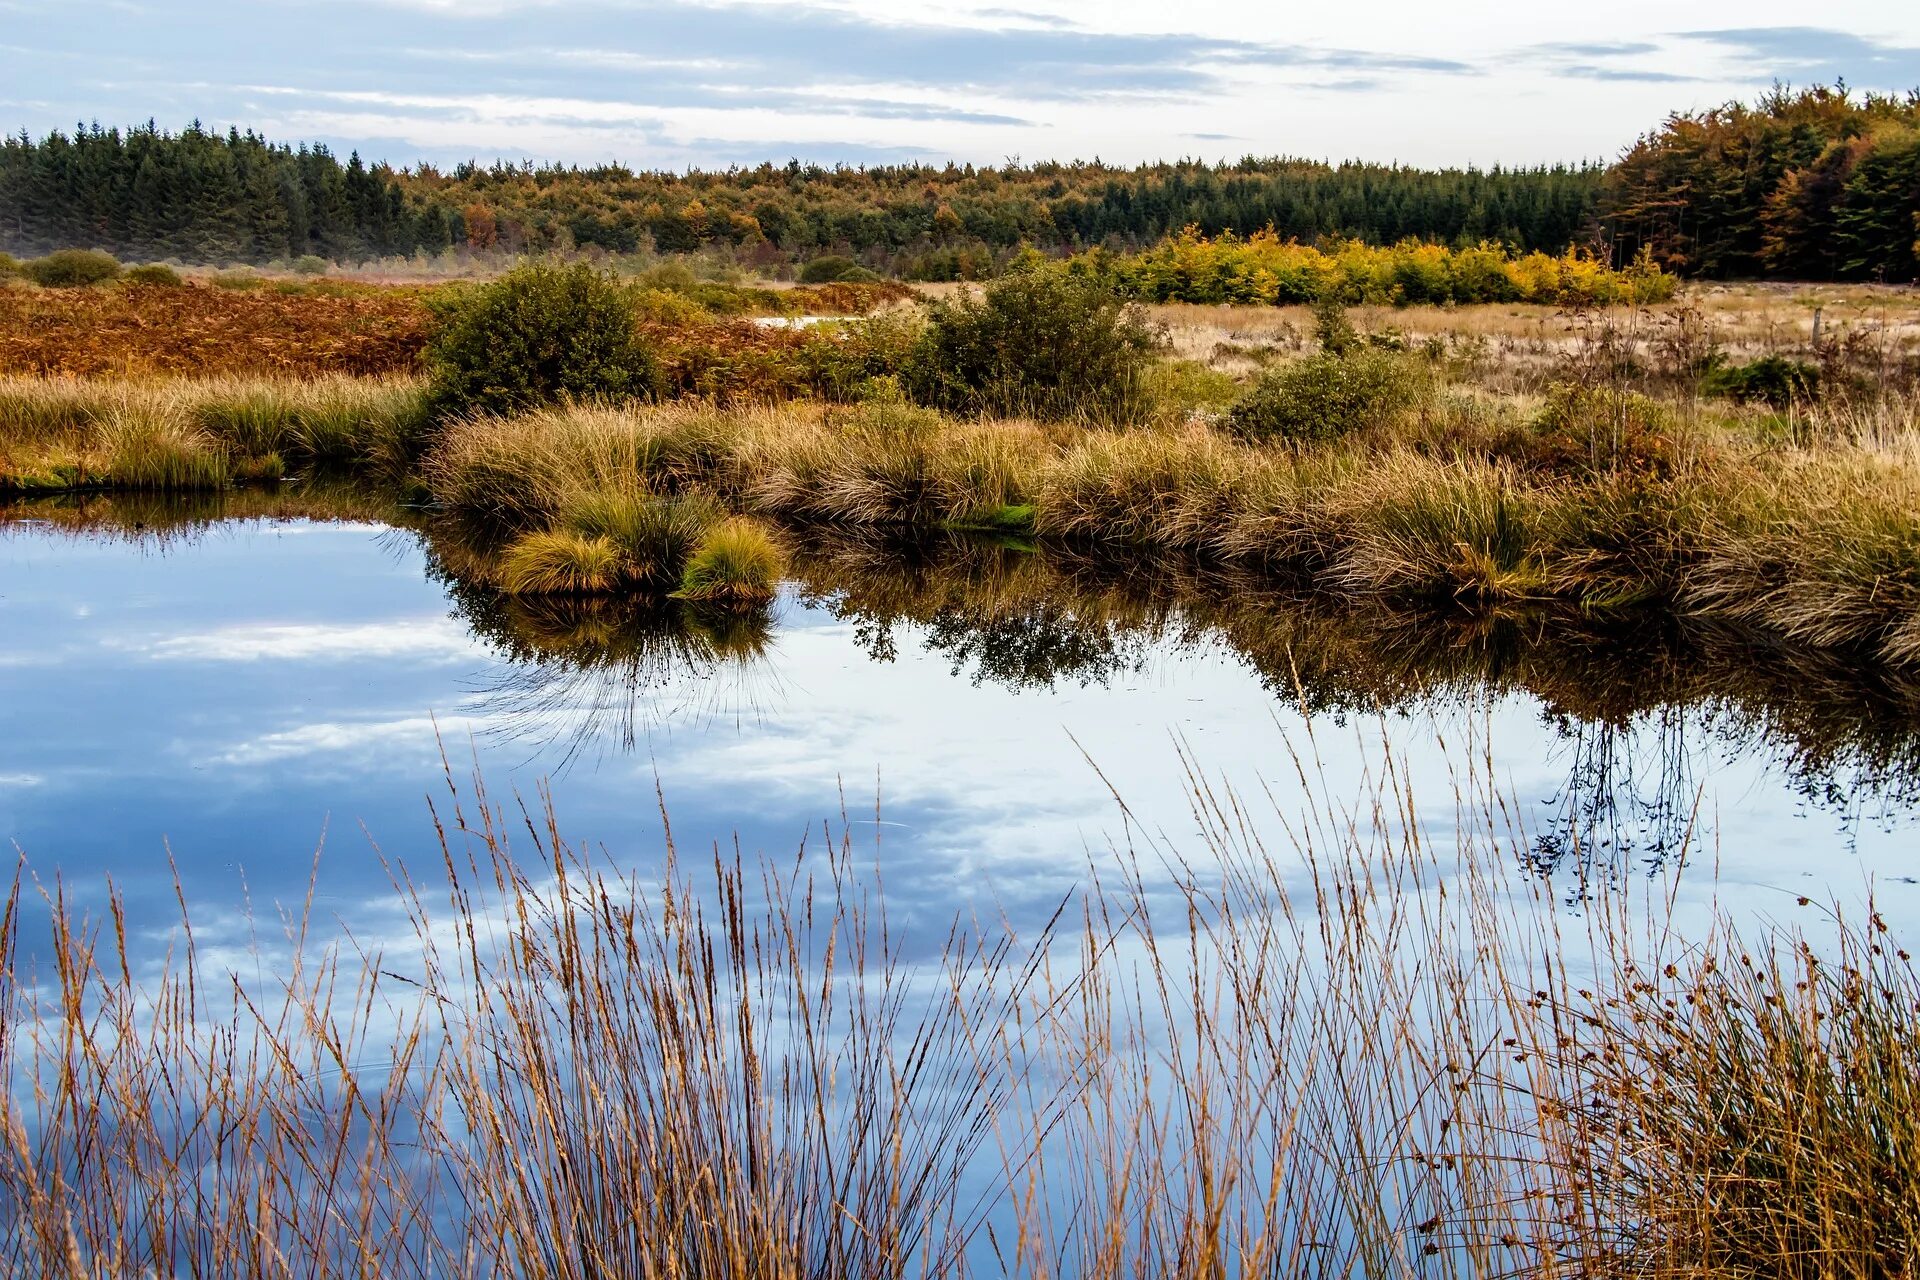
column 223, row 700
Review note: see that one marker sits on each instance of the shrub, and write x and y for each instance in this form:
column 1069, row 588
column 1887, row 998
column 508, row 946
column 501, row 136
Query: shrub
column 154, row 275
column 9, row 266
column 1263, row 268
column 558, row 563
column 243, row 279
column 1327, row 396
column 1332, row 330
column 845, row 361
column 311, row 264
column 829, row 269
column 738, row 563
column 1595, row 430
column 1772, row 380
column 72, row 268
column 539, row 334
column 1039, row 343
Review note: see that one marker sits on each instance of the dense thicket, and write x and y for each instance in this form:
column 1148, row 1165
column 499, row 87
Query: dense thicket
column 1818, row 183
column 940, row 219
column 206, row 197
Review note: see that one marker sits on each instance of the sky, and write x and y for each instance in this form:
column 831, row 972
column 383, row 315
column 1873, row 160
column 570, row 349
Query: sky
column 711, row 83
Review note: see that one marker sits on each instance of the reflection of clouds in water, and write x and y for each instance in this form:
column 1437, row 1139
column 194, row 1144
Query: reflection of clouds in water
column 434, row 638
column 368, row 743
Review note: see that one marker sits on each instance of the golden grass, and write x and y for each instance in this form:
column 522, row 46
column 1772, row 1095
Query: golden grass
column 1341, row 1053
column 554, row 563
column 66, row 433
column 738, row 563
column 1815, row 543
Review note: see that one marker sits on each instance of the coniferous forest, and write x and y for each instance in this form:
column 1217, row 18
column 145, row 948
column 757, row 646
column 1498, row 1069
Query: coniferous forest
column 1811, row 184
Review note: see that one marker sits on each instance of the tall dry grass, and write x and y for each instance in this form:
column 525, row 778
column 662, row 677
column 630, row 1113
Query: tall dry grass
column 61, row 434
column 1333, row 1042
column 1812, row 542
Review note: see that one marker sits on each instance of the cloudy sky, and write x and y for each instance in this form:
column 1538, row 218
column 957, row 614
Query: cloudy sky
column 672, row 83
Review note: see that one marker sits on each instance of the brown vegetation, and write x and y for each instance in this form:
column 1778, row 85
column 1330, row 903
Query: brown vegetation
column 200, row 330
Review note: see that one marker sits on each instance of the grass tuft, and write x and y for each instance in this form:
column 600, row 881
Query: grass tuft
column 737, row 563
column 558, row 563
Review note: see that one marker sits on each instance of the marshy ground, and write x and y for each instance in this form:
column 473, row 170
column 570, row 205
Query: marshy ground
column 1357, row 1042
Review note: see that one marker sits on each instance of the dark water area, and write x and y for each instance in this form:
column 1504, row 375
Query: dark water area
column 223, row 693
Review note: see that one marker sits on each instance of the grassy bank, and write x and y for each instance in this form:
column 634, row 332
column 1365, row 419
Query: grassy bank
column 1819, row 545
column 62, row 434
column 1457, row 499
column 1305, row 1059
column 1633, row 458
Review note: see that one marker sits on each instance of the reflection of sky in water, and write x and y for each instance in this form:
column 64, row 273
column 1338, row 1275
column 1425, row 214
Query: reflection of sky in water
column 235, row 697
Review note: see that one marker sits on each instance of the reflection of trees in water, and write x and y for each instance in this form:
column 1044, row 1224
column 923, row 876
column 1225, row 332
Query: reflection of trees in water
column 997, row 611
column 1629, row 800
column 588, row 673
column 1636, row 700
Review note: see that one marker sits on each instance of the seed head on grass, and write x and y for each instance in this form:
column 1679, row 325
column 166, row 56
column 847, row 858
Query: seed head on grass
column 738, row 563
column 558, row 563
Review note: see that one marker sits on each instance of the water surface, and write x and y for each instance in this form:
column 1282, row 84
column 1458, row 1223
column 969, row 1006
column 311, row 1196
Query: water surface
column 222, row 700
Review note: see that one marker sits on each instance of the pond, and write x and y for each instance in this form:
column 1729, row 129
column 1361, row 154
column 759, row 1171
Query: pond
column 219, row 696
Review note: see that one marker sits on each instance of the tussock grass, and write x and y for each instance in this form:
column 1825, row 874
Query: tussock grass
column 257, row 424
column 554, row 563
column 738, row 562
column 521, row 472
column 1154, row 488
column 655, row 534
column 1424, row 529
column 1825, row 550
column 1815, row 543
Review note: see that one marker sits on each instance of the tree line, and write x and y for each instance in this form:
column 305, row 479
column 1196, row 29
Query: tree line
column 1818, row 183
column 201, row 196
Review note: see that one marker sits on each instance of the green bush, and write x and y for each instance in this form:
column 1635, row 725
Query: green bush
column 155, row 275
column 861, row 359
column 1332, row 330
column 311, row 264
column 830, row 269
column 1327, row 396
column 539, row 334
column 1583, row 430
column 9, row 266
column 1038, row 342
column 72, row 268
column 1772, row 380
